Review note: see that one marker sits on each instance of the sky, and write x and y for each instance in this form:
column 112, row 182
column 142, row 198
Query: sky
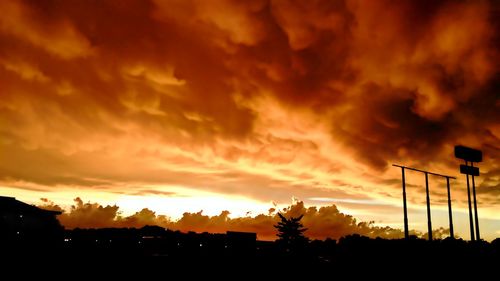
column 208, row 115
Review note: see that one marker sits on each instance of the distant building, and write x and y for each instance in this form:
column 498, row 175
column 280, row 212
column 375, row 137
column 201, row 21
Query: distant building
column 241, row 242
column 250, row 237
column 21, row 222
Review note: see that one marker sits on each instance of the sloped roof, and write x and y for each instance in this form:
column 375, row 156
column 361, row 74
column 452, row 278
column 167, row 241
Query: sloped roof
column 10, row 204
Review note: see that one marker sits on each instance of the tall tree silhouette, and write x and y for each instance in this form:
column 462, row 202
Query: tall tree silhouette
column 291, row 234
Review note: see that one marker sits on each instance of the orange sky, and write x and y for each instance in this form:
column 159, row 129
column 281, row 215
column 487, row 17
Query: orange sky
column 180, row 106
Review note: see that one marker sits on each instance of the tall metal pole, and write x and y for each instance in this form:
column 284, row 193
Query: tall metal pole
column 429, row 223
column 470, row 208
column 452, row 235
column 475, row 205
column 407, row 235
column 427, row 173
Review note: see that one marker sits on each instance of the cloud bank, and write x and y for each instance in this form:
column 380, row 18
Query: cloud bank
column 321, row 223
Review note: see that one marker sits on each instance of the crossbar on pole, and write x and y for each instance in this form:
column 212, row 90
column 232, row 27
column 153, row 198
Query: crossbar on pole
column 422, row 171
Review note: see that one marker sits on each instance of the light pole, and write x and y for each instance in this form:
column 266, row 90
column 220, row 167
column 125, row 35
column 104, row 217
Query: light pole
column 452, row 234
column 427, row 199
column 405, row 212
column 429, row 222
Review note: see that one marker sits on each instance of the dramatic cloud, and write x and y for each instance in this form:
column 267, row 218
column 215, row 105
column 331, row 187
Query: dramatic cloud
column 262, row 100
column 322, row 223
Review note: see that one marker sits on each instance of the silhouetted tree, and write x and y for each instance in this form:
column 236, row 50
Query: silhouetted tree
column 291, row 234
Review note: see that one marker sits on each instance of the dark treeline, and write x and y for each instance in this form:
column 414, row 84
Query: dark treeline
column 33, row 241
column 156, row 248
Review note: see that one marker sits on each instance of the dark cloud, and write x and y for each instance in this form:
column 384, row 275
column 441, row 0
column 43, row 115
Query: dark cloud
column 261, row 99
column 488, row 191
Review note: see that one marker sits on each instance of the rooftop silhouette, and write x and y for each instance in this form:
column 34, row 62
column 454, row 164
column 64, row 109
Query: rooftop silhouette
column 41, row 237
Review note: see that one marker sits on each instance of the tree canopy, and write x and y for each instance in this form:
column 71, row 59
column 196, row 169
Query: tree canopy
column 291, row 233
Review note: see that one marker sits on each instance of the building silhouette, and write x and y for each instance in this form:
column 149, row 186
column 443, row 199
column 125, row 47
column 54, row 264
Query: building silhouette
column 32, row 236
column 23, row 225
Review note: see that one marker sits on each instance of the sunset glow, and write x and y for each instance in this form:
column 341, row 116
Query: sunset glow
column 182, row 106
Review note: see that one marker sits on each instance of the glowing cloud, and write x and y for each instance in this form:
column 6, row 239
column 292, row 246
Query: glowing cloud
column 262, row 100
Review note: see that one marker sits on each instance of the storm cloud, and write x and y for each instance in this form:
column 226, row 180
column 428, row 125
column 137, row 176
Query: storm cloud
column 262, row 99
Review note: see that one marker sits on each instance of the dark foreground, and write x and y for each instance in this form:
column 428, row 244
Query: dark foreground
column 154, row 252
